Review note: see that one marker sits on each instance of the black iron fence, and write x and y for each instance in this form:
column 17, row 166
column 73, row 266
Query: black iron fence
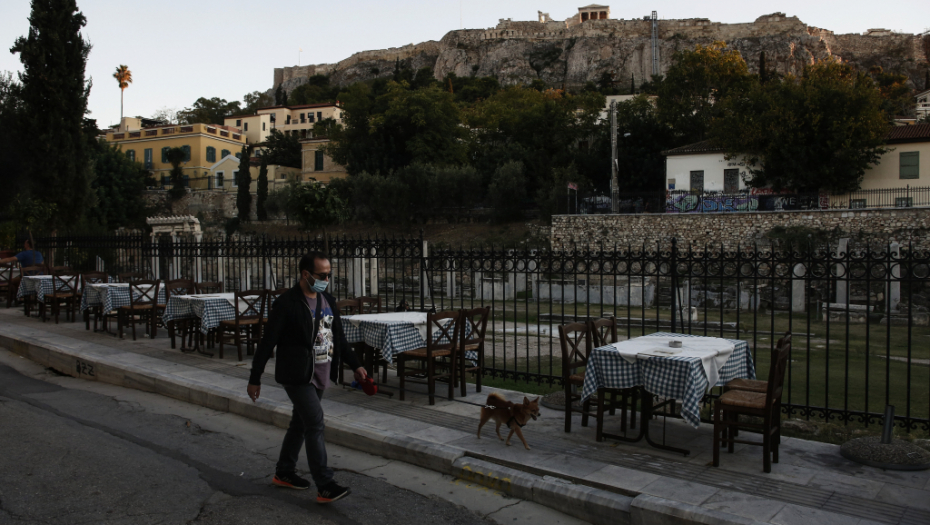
column 859, row 314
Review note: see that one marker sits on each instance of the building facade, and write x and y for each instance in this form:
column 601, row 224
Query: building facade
column 290, row 120
column 204, row 145
column 317, row 164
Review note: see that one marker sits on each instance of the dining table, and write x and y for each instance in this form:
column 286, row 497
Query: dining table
column 676, row 367
column 392, row 332
column 110, row 296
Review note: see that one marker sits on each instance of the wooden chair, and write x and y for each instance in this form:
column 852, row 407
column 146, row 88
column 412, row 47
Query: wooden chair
column 127, row 277
column 767, row 406
column 246, row 327
column 38, row 269
column 369, row 305
column 575, row 340
column 61, row 270
column 64, row 291
column 95, row 311
column 177, row 287
column 6, row 281
column 603, row 333
column 208, row 287
column 348, row 306
column 442, row 336
column 471, row 337
column 143, row 301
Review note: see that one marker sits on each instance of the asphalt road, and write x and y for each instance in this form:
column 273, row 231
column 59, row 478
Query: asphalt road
column 75, row 452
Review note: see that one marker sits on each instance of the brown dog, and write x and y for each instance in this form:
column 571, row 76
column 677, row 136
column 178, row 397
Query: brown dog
column 513, row 415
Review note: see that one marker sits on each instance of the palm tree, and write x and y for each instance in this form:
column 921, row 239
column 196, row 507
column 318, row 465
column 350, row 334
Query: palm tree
column 124, row 76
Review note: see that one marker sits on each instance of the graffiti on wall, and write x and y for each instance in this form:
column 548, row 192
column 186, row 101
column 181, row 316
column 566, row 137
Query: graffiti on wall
column 756, row 200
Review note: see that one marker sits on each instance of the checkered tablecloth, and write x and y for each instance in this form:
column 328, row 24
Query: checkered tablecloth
column 681, row 378
column 391, row 337
column 210, row 310
column 110, row 296
column 33, row 285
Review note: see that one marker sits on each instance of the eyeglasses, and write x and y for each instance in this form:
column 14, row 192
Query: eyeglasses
column 323, row 276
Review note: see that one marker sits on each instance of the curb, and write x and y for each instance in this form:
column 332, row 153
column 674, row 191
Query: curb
column 587, row 503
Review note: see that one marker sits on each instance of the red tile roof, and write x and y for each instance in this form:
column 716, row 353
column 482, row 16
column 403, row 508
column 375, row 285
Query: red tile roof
column 905, row 134
column 705, row 146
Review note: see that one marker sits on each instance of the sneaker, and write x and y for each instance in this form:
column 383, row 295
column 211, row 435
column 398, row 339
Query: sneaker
column 331, row 493
column 291, row 481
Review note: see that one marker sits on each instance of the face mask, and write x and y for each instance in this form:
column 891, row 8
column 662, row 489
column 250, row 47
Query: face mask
column 320, row 286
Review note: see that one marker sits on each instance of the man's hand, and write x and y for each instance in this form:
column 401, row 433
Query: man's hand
column 360, row 374
column 256, row 390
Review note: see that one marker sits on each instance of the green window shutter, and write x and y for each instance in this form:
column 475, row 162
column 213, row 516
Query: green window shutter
column 164, row 155
column 211, row 154
column 131, row 154
column 224, row 154
column 318, row 161
column 910, row 164
column 148, row 158
column 187, row 153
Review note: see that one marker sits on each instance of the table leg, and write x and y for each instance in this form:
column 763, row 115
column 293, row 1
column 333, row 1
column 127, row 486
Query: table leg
column 645, row 416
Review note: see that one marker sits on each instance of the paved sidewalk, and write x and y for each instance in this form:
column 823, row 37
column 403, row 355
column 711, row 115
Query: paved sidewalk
column 598, row 482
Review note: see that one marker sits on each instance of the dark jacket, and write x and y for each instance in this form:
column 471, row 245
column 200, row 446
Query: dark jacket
column 291, row 329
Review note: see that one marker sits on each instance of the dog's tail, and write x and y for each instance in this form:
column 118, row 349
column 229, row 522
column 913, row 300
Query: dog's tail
column 495, row 399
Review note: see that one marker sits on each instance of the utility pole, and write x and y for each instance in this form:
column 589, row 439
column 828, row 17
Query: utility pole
column 614, row 183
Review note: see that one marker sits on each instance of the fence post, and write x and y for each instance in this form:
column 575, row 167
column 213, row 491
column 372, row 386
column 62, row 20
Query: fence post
column 673, row 270
column 424, row 253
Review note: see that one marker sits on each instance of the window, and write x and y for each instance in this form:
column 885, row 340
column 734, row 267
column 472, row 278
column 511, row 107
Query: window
column 224, row 154
column 219, row 179
column 697, row 181
column 186, row 181
column 238, row 123
column 211, row 154
column 187, row 153
column 235, row 179
column 319, row 115
column 131, row 154
column 287, row 119
column 310, row 117
column 148, row 158
column 857, row 203
column 246, row 128
column 318, row 160
column 164, row 155
column 263, row 126
column 165, row 180
column 903, row 202
column 910, row 164
column 239, row 155
column 731, row 181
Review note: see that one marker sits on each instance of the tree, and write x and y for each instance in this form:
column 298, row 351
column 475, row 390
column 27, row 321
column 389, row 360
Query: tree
column 896, row 95
column 763, row 74
column 208, row 111
column 243, row 195
column 262, row 196
column 280, row 96
column 316, row 90
column 641, row 139
column 119, row 183
column 283, row 150
column 123, row 77
column 55, row 158
column 256, row 100
column 632, row 84
column 508, row 191
column 175, row 157
column 11, row 107
column 694, row 83
column 820, row 131
column 166, row 115
column 315, row 205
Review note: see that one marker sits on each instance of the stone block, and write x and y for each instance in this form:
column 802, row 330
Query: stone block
column 172, row 388
column 586, row 503
column 207, row 397
column 138, row 380
column 496, row 477
column 652, row 510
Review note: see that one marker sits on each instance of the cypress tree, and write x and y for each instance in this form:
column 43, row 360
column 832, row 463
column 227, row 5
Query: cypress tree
column 56, row 157
column 262, row 191
column 763, row 74
column 279, row 96
column 243, row 197
column 927, row 79
column 632, row 84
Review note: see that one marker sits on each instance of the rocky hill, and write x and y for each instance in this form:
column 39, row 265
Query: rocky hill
column 570, row 56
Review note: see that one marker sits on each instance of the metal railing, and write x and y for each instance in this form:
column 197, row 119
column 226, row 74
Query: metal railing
column 859, row 314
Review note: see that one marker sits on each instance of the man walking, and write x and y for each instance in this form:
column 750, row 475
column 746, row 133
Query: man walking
column 307, row 330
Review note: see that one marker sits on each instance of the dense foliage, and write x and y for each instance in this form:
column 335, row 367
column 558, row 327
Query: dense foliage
column 244, row 182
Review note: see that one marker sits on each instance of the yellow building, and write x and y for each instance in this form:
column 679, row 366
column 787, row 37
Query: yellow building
column 317, row 164
column 205, row 144
column 225, row 175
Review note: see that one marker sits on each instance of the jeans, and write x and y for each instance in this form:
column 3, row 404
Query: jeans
column 306, row 427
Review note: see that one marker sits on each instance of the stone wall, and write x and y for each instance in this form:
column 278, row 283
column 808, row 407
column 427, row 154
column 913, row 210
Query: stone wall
column 210, row 206
column 732, row 229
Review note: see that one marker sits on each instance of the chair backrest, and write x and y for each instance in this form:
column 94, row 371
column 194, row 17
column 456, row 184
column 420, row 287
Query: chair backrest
column 348, row 307
column 369, row 305
column 93, row 278
column 64, row 283
column 6, row 272
column 178, row 287
column 272, row 297
column 34, row 270
column 603, row 332
column 779, row 365
column 474, row 324
column 61, row 270
column 143, row 292
column 209, row 287
column 575, row 339
column 442, row 330
column 126, row 277
column 250, row 304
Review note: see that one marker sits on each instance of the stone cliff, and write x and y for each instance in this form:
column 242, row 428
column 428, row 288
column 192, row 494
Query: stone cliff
column 558, row 54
